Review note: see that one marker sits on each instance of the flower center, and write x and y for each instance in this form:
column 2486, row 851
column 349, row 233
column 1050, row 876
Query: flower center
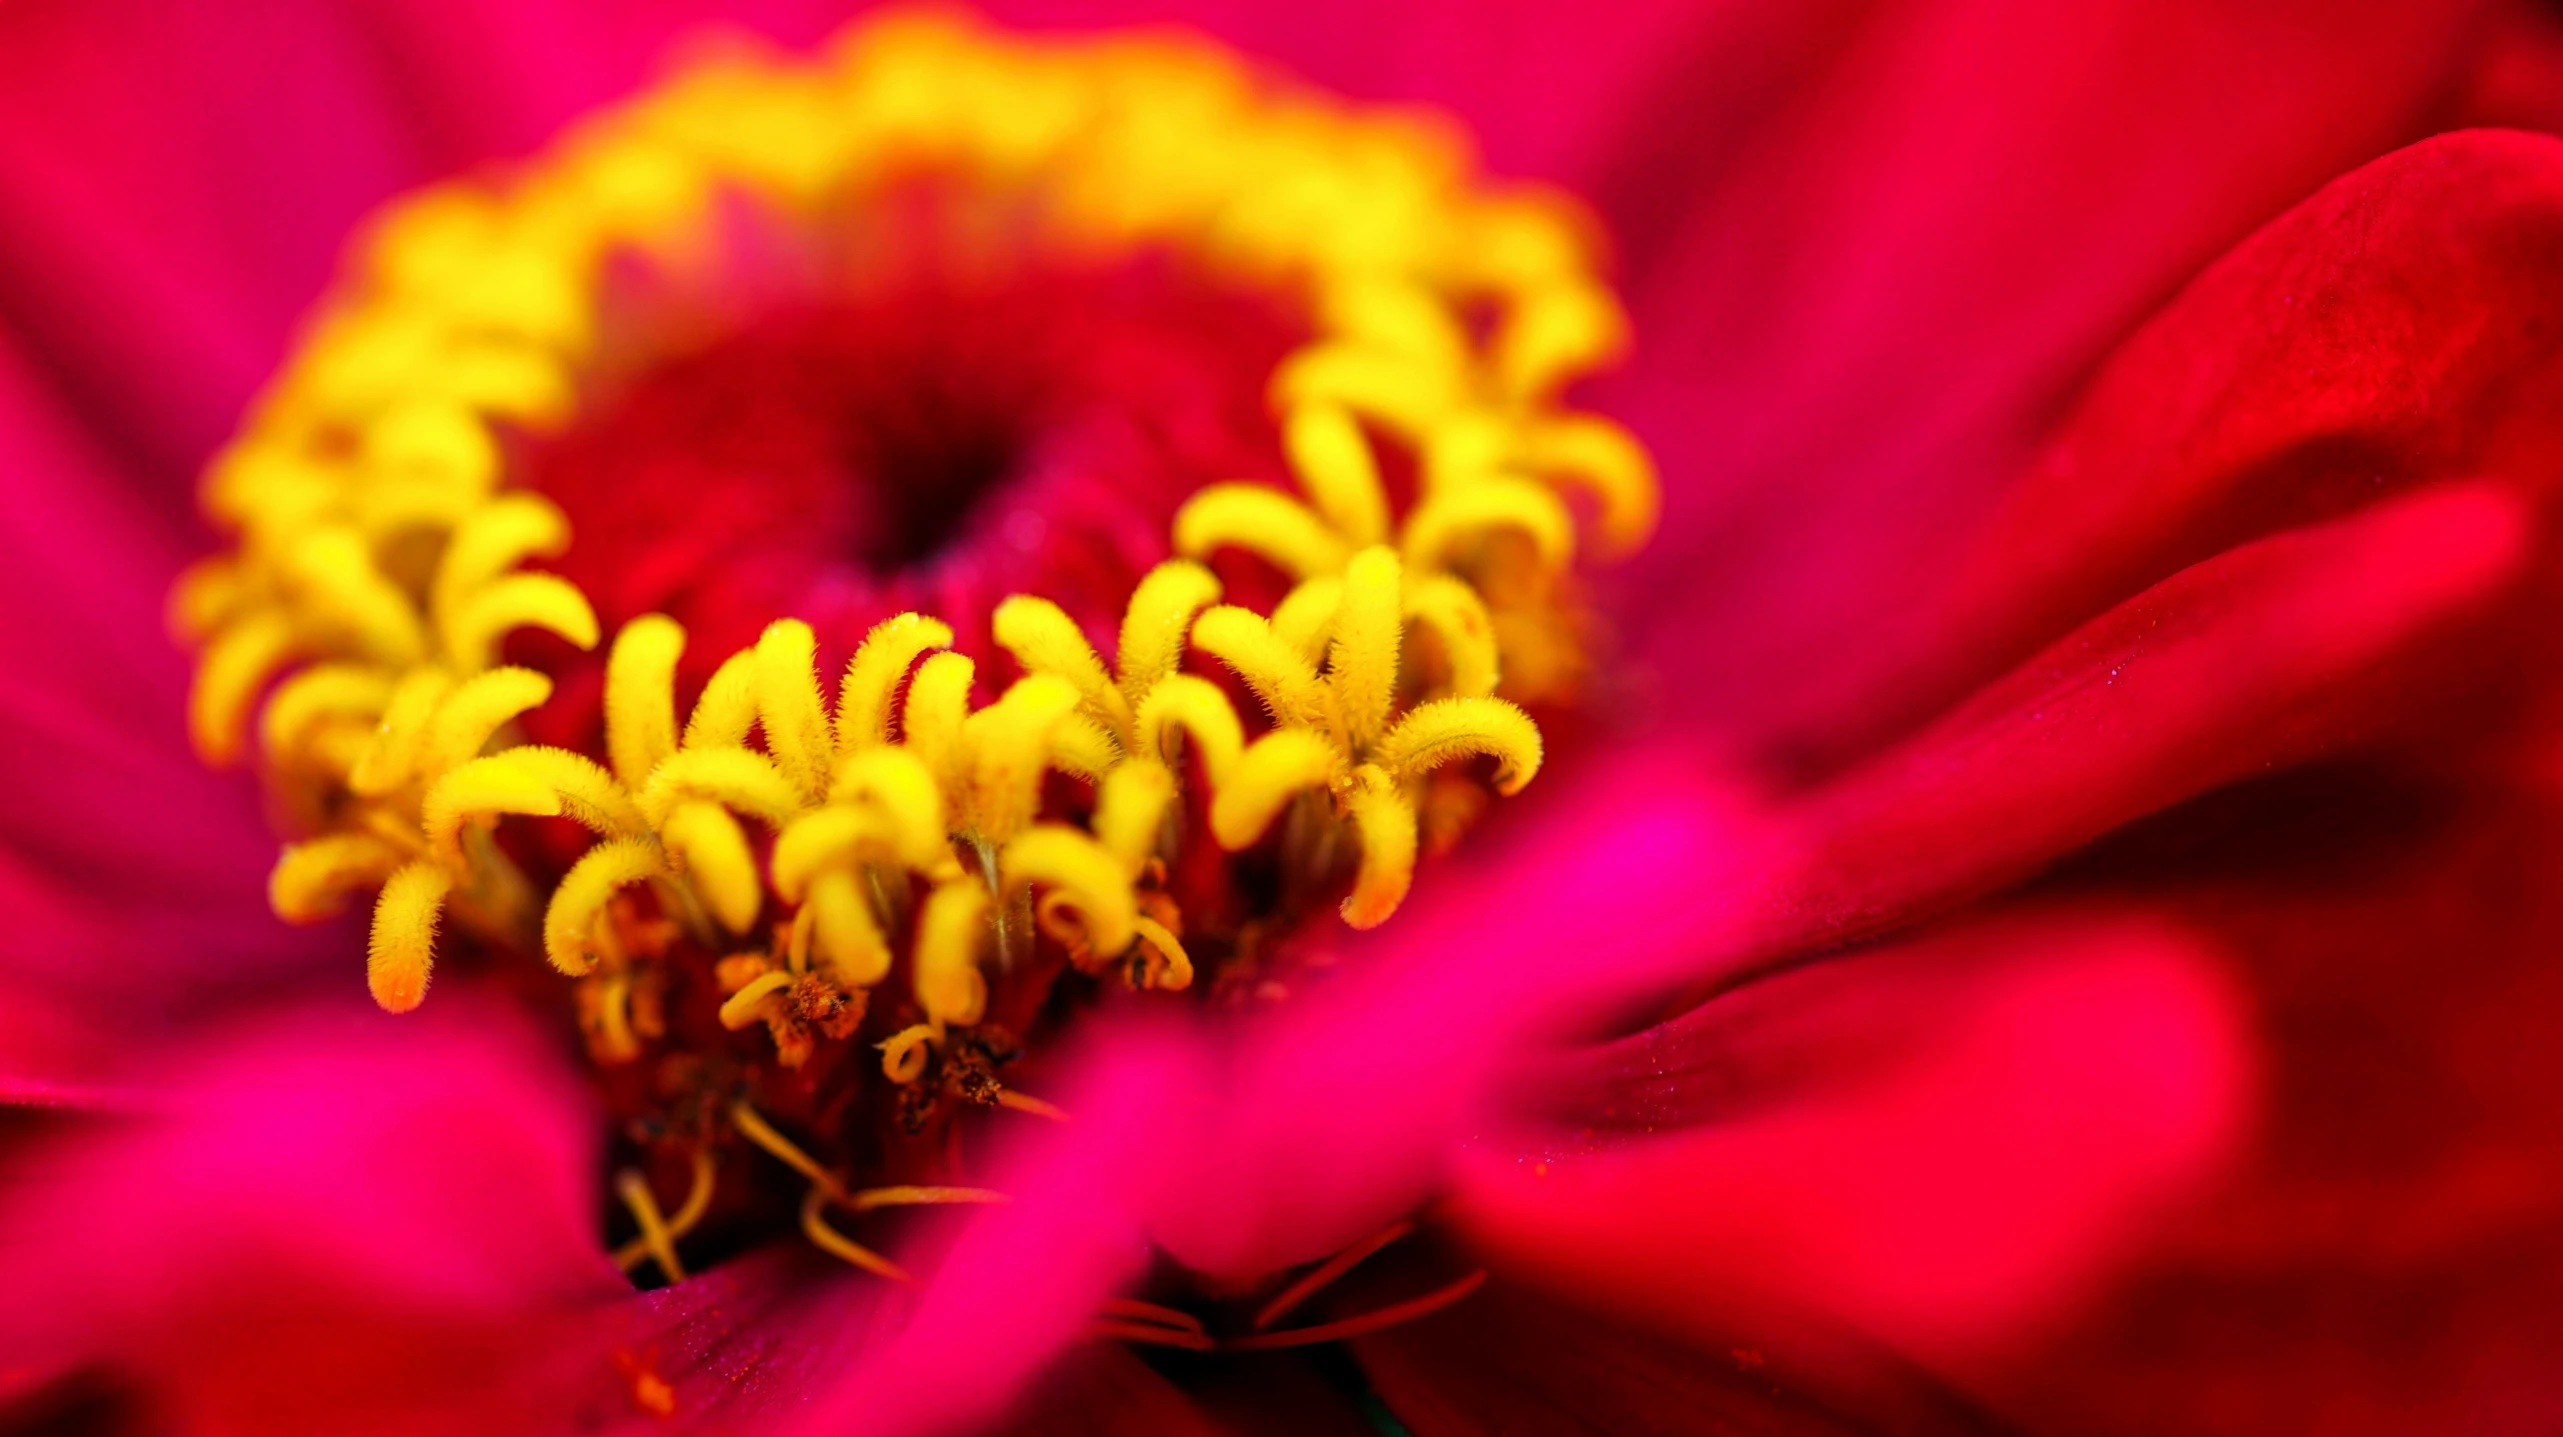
column 1065, row 515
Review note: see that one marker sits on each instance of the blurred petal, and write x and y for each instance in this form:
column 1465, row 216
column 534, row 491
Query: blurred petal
column 1871, row 306
column 437, row 1184
column 2044, row 1106
column 132, row 881
column 2395, row 329
column 2267, row 655
column 1512, row 1360
column 2391, row 1254
column 331, row 1221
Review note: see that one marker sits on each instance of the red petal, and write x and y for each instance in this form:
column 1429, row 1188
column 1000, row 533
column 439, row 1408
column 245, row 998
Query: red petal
column 2064, row 1084
column 2390, row 1258
column 2278, row 651
column 1508, row 1360
column 1880, row 289
column 2394, row 329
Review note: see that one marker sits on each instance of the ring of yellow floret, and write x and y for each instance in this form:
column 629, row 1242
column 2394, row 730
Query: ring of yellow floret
column 379, row 562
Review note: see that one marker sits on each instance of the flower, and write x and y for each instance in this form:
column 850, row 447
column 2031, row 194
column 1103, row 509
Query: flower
column 2267, row 586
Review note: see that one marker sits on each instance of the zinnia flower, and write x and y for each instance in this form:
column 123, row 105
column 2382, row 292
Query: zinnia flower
column 2022, row 905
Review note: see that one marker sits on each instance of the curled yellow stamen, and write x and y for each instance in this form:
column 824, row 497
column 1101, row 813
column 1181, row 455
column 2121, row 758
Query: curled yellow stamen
column 343, row 590
column 314, row 696
column 1094, row 879
column 497, row 536
column 847, row 937
column 474, row 712
column 1558, row 330
column 727, row 708
column 1362, row 662
column 1334, row 464
column 392, row 759
column 1282, row 680
column 480, row 790
column 707, row 845
column 640, row 696
column 1593, row 454
column 519, row 601
column 1195, row 707
column 948, row 983
column 898, row 785
column 404, row 938
column 747, row 1005
column 236, row 665
column 1447, row 523
column 904, row 1053
column 1446, row 729
column 788, row 706
column 1158, row 621
column 1262, row 522
column 1454, row 615
column 569, row 921
column 1045, row 640
column 1130, row 811
column 312, row 880
column 1173, row 970
column 1009, row 743
column 1267, row 775
column 1305, row 618
column 873, row 674
column 1385, row 819
column 938, row 704
column 740, row 779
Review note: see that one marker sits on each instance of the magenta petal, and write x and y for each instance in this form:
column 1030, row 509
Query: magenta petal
column 1290, row 1141
column 333, row 1221
column 126, row 861
column 324, row 1166
column 2079, row 1077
